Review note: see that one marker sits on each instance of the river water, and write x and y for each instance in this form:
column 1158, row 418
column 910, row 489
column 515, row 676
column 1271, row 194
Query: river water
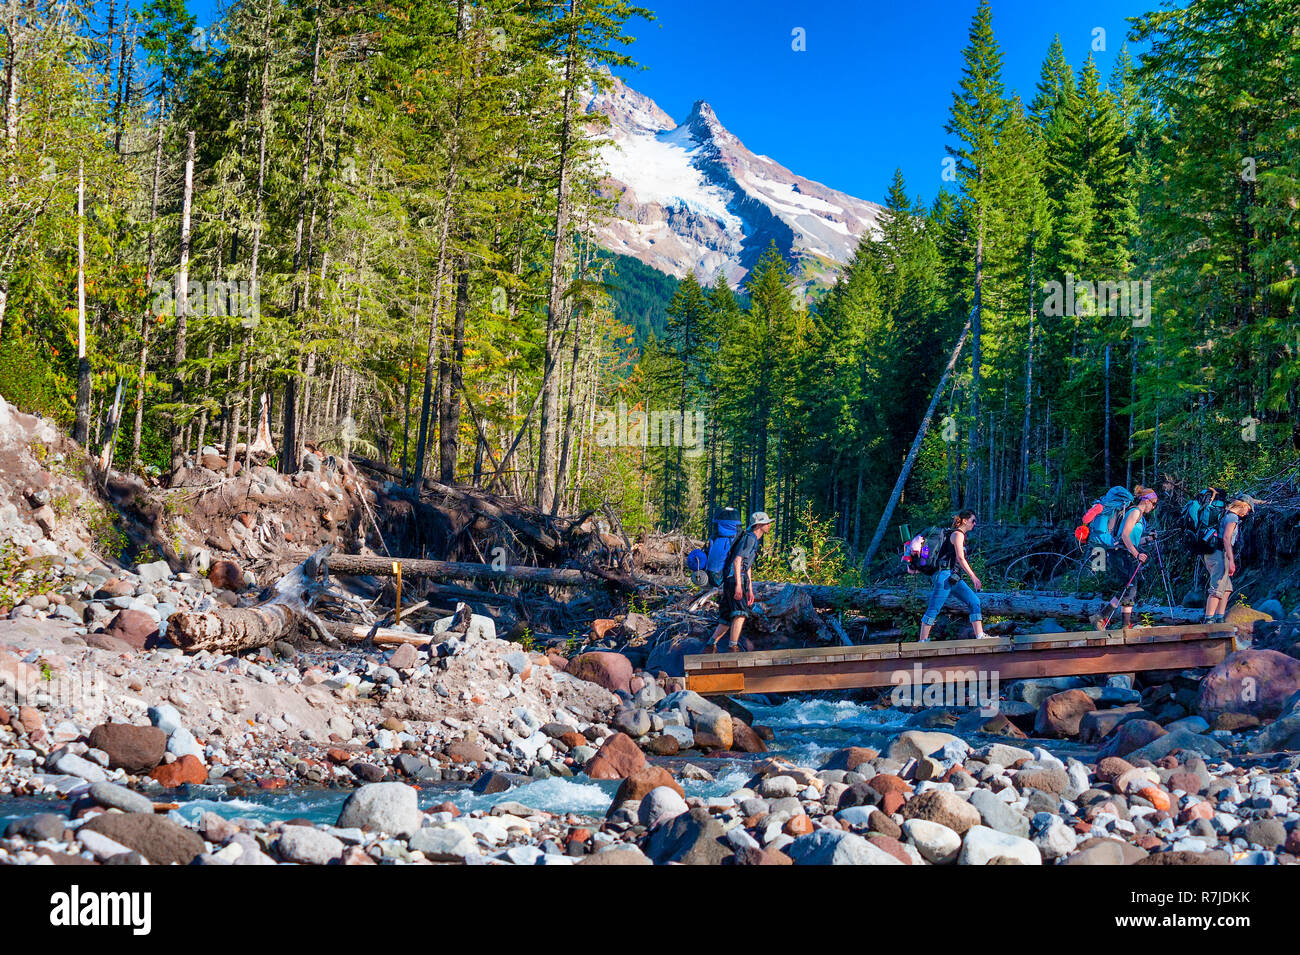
column 807, row 731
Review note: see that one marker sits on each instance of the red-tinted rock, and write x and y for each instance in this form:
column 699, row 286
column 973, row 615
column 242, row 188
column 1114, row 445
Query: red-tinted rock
column 892, row 801
column 799, row 825
column 1187, row 782
column 887, row 782
column 1256, row 682
column 136, row 749
column 1060, row 713
column 188, row 769
column 663, row 746
column 114, row 587
column 638, row 785
column 617, row 758
column 134, row 627
column 31, row 719
column 613, row 671
column 892, row 846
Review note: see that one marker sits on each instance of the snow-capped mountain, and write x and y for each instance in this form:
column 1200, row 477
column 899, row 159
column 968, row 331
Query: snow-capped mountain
column 692, row 198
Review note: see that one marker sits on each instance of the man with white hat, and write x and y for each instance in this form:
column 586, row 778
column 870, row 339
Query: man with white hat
column 737, row 594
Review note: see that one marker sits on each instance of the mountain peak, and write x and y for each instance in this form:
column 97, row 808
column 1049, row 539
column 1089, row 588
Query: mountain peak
column 692, row 198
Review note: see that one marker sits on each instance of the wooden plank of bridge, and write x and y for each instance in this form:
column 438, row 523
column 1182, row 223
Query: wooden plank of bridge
column 1013, row 658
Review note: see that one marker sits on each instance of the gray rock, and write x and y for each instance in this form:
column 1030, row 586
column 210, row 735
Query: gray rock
column 444, row 844
column 382, row 807
column 936, row 842
column 982, row 844
column 154, row 572
column 74, row 765
column 659, row 805
column 43, row 825
column 996, row 814
column 1054, row 839
column 113, row 796
column 1172, row 742
column 829, row 847
column 633, row 721
column 166, row 717
column 182, row 743
column 308, row 846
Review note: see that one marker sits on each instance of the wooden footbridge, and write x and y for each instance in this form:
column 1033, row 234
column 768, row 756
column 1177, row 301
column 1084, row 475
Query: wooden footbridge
column 1012, row 658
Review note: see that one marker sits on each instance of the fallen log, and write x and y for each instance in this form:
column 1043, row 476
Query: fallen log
column 232, row 629
column 358, row 633
column 1027, row 604
column 357, row 564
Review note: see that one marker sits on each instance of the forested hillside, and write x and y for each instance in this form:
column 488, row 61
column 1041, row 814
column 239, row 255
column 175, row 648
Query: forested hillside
column 639, row 296
column 1125, row 249
column 381, row 217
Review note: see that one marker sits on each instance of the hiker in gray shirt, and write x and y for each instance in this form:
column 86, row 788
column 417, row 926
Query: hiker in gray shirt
column 1221, row 563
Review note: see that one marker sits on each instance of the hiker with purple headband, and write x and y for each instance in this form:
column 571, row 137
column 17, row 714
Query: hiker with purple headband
column 1126, row 560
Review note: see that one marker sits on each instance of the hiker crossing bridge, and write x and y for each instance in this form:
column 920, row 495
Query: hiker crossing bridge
column 1127, row 650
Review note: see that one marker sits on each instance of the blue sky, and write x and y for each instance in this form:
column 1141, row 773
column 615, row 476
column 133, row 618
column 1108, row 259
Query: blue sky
column 872, row 88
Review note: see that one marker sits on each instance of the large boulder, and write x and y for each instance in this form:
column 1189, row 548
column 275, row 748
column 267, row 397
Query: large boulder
column 613, row 671
column 135, row 749
column 689, row 838
column 669, row 656
column 382, row 807
column 617, row 758
column 157, row 838
column 1255, row 682
column 1060, row 713
column 134, row 627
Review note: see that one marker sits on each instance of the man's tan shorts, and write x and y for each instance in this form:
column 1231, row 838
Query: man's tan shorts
column 1220, row 581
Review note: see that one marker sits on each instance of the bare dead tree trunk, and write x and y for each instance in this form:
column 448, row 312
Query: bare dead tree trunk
column 182, row 286
column 547, row 425
column 148, row 285
column 916, row 447
column 81, row 429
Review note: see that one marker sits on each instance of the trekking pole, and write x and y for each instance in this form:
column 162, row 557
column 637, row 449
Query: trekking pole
column 1113, row 604
column 1165, row 578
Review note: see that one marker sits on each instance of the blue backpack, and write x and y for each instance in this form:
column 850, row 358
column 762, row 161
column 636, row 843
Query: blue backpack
column 1101, row 523
column 725, row 530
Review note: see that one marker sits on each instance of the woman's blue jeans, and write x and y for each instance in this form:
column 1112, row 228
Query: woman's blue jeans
column 946, row 583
